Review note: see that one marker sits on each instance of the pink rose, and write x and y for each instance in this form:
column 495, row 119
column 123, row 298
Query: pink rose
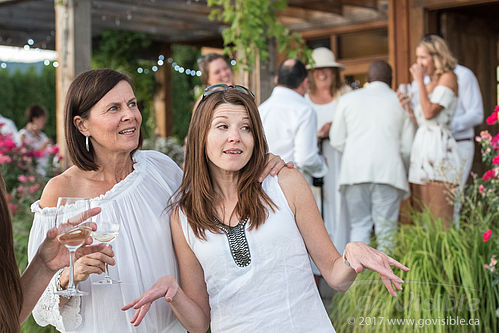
column 486, row 235
column 5, row 159
column 495, row 142
column 493, row 261
column 22, row 178
column 481, row 188
column 488, row 175
column 31, row 178
column 13, row 209
column 486, row 266
column 497, row 108
column 492, row 119
column 495, row 160
column 485, row 135
column 34, row 188
column 55, row 149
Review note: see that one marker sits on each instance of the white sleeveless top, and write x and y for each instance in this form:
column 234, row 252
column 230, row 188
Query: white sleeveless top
column 276, row 292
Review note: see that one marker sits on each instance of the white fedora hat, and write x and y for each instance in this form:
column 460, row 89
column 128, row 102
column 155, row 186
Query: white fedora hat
column 324, row 57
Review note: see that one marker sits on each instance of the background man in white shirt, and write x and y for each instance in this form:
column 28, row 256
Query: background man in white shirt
column 289, row 121
column 368, row 130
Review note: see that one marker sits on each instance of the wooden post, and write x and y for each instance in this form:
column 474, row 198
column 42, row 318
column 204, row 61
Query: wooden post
column 74, row 52
column 399, row 40
column 260, row 78
column 163, row 99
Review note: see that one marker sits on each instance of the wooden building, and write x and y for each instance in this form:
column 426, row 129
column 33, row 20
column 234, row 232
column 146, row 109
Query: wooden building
column 358, row 31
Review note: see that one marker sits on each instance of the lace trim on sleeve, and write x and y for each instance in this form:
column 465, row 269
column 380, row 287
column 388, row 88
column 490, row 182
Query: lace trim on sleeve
column 47, row 310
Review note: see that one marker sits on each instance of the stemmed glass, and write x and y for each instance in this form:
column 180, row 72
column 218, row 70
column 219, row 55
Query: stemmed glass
column 108, row 228
column 405, row 91
column 73, row 231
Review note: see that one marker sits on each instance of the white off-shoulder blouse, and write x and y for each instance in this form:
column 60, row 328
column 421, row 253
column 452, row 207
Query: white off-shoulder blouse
column 143, row 253
column 434, row 154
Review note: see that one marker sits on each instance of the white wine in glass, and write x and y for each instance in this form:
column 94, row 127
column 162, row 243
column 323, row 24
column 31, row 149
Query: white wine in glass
column 108, row 228
column 73, row 232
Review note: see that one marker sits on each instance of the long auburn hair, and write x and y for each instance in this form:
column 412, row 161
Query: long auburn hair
column 196, row 195
column 11, row 295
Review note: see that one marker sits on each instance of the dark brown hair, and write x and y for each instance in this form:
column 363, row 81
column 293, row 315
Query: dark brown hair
column 196, row 195
column 11, row 296
column 204, row 65
column 35, row 111
column 334, row 89
column 85, row 91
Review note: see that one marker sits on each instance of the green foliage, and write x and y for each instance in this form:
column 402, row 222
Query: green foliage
column 251, row 24
column 21, row 89
column 447, row 280
column 183, row 89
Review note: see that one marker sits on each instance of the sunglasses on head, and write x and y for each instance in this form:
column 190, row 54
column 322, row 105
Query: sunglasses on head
column 222, row 87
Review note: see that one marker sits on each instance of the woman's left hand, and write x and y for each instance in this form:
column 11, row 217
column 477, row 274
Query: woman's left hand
column 361, row 256
column 274, row 164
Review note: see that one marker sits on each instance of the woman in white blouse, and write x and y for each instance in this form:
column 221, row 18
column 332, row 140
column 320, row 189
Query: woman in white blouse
column 102, row 126
column 435, row 167
column 243, row 247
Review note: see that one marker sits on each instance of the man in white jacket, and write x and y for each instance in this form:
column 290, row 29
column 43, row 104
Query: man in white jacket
column 290, row 123
column 368, row 129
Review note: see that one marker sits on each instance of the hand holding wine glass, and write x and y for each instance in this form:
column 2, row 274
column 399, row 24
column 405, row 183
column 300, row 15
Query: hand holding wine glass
column 72, row 231
column 108, row 227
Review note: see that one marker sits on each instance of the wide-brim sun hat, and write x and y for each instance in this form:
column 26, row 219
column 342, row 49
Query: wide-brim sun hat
column 324, row 57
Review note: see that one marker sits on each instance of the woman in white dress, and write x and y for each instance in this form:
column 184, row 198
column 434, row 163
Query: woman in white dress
column 435, row 167
column 102, row 126
column 33, row 137
column 325, row 88
column 243, row 247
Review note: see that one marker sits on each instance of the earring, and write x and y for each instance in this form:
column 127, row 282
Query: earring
column 87, row 145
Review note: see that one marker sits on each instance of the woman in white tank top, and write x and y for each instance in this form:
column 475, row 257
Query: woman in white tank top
column 242, row 246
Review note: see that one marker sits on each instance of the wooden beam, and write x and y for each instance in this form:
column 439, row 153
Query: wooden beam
column 373, row 4
column 359, row 65
column 345, row 28
column 329, row 6
column 74, row 49
column 442, row 4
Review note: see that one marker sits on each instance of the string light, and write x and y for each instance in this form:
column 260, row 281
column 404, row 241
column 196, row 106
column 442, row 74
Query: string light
column 176, row 67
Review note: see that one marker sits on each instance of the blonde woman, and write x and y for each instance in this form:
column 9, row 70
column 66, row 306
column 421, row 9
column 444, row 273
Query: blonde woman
column 435, row 164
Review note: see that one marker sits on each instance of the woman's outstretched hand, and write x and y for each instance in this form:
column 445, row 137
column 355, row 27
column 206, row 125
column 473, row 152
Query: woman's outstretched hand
column 167, row 287
column 361, row 256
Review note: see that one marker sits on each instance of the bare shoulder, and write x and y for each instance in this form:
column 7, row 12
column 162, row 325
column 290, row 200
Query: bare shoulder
column 449, row 80
column 59, row 186
column 292, row 182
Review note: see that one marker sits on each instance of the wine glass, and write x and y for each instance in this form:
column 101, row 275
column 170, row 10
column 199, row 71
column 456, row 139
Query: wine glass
column 72, row 233
column 405, row 91
column 108, row 228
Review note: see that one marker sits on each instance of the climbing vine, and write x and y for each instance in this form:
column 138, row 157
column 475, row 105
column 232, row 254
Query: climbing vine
column 252, row 23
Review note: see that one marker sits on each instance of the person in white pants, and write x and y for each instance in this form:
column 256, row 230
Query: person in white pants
column 368, row 129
